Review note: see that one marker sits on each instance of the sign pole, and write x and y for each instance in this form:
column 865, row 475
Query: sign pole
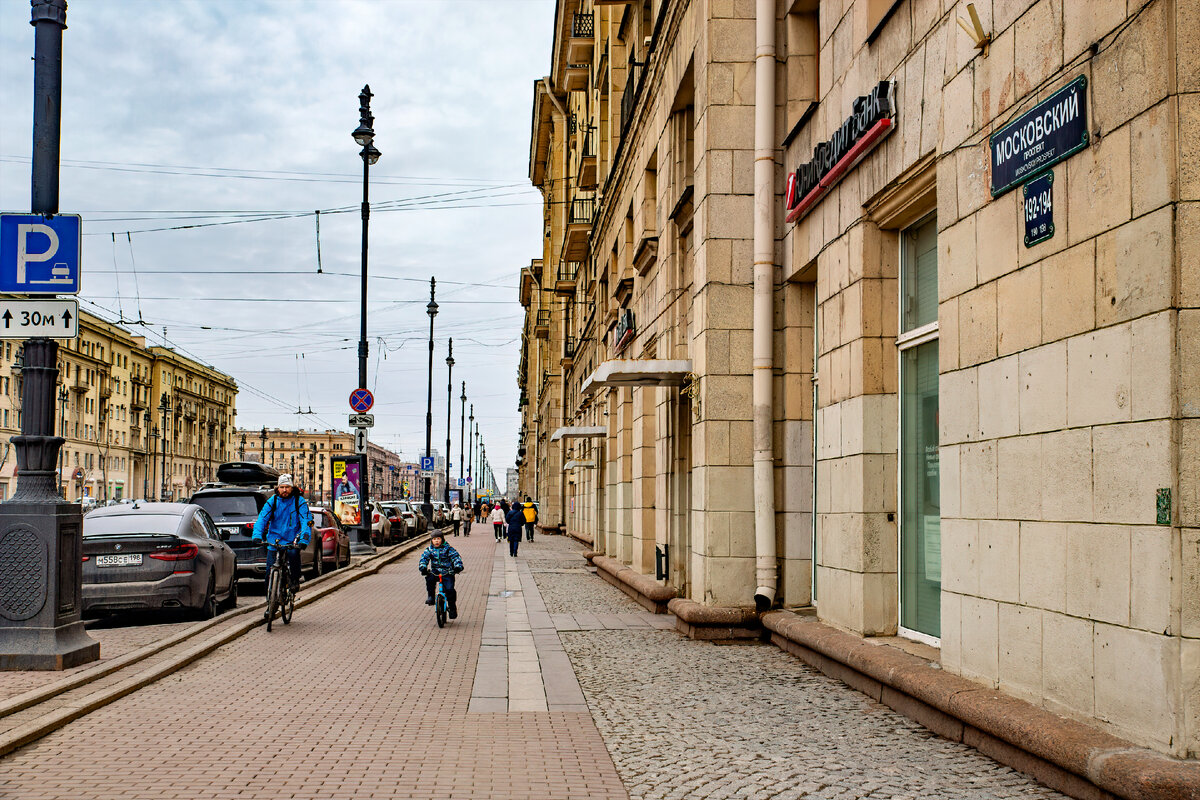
column 40, row 535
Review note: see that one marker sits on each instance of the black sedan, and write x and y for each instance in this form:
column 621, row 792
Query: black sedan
column 155, row 555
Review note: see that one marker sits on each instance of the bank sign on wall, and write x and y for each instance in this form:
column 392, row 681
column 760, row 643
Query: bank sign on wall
column 1041, row 137
column 872, row 117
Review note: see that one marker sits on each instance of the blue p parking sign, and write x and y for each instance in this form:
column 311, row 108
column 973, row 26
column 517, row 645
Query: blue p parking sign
column 427, row 463
column 40, row 255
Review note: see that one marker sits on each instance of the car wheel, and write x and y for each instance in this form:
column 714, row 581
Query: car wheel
column 231, row 600
column 209, row 609
column 318, row 566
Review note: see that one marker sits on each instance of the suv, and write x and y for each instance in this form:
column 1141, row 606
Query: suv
column 234, row 503
column 414, row 520
column 381, row 528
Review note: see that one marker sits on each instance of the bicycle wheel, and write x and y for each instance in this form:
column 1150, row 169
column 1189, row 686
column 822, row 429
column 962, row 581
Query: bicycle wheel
column 288, row 605
column 272, row 596
column 439, row 606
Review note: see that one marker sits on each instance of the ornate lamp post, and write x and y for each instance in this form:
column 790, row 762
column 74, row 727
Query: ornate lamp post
column 63, row 395
column 449, row 398
column 470, row 448
column 148, row 460
column 263, row 436
column 431, row 309
column 164, row 406
column 462, row 421
column 242, row 449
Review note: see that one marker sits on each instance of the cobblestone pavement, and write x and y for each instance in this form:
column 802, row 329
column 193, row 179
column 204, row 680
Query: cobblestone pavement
column 686, row 719
column 362, row 696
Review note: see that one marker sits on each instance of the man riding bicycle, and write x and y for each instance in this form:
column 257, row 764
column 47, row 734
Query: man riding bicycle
column 441, row 559
column 284, row 521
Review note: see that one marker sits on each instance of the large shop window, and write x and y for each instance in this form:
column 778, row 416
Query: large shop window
column 920, row 507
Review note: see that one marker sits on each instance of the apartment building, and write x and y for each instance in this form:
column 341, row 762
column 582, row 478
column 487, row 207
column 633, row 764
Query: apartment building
column 861, row 307
column 110, row 406
column 305, row 454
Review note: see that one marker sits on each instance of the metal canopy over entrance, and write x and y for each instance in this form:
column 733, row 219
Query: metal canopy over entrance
column 577, row 432
column 632, row 372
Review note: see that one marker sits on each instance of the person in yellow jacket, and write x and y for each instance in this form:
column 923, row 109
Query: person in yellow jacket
column 531, row 514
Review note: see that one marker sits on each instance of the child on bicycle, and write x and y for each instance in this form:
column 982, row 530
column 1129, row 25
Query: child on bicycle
column 441, row 559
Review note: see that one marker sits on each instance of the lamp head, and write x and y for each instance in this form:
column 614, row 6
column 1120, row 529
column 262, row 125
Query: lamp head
column 431, row 308
column 370, row 153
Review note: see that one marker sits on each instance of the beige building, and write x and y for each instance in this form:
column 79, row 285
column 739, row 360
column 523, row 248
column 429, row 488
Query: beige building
column 305, row 455
column 109, row 407
column 886, row 323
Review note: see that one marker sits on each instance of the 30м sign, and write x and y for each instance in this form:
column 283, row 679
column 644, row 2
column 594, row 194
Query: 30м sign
column 1040, row 138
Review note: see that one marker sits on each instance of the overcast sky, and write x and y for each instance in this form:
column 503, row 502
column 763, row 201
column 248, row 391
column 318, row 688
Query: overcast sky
column 217, row 111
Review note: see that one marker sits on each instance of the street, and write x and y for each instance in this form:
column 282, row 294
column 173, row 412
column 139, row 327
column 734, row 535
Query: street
column 363, row 696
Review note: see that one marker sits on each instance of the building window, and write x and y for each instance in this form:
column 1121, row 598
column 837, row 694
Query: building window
column 920, row 506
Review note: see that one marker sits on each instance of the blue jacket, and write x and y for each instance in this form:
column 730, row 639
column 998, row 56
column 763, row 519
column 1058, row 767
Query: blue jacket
column 284, row 521
column 443, row 560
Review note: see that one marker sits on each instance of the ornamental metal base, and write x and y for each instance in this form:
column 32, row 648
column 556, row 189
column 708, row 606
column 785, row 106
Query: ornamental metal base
column 40, row 595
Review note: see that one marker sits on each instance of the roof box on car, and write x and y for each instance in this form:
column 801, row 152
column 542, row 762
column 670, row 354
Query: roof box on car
column 246, row 473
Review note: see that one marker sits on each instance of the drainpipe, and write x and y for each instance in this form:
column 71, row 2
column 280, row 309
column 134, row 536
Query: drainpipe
column 764, row 283
column 553, row 97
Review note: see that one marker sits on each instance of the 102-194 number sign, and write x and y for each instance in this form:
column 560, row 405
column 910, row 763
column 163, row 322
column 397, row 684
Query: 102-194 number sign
column 1039, row 209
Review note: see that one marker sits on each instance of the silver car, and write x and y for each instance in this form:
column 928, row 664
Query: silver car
column 156, row 555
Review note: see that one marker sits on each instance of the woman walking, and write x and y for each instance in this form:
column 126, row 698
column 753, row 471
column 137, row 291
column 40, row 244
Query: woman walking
column 497, row 519
column 516, row 526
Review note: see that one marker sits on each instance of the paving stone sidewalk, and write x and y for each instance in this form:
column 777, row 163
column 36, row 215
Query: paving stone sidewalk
column 361, row 697
column 689, row 720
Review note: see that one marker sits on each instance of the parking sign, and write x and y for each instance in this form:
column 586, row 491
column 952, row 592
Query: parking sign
column 427, row 463
column 40, row 255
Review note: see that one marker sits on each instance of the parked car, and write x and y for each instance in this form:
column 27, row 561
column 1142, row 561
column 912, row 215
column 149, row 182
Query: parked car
column 335, row 542
column 156, row 555
column 440, row 515
column 234, row 503
column 400, row 529
column 413, row 518
column 381, row 529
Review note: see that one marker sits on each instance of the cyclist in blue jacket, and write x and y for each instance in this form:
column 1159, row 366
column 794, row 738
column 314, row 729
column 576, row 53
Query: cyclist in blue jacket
column 284, row 520
column 441, row 559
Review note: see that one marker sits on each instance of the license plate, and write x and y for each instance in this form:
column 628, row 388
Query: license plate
column 120, row 560
column 229, row 530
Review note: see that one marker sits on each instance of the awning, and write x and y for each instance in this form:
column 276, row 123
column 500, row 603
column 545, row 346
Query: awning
column 578, row 465
column 634, row 372
column 579, row 432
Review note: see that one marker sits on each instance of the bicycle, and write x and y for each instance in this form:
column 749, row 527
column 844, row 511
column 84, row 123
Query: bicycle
column 280, row 596
column 440, row 603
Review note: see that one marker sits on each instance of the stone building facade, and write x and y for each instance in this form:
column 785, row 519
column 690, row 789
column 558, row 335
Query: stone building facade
column 305, row 454
column 110, row 411
column 978, row 281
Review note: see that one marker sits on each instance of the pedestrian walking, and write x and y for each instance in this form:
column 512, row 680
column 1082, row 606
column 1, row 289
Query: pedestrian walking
column 497, row 518
column 468, row 516
column 456, row 516
column 477, row 510
column 531, row 513
column 516, row 522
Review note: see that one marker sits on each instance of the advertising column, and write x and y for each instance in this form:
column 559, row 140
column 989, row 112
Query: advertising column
column 346, row 491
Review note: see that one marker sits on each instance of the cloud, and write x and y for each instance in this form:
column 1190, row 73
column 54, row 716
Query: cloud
column 229, row 85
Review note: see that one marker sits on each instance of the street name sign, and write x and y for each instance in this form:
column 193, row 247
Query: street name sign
column 361, row 400
column 53, row 319
column 1040, row 138
column 40, row 255
column 362, row 420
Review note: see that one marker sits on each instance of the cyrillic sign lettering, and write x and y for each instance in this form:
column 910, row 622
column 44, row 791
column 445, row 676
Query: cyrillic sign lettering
column 1040, row 138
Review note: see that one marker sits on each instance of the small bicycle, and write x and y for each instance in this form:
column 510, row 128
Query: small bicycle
column 440, row 603
column 280, row 596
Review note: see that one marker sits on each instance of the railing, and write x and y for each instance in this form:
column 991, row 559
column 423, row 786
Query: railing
column 543, row 318
column 589, row 143
column 583, row 210
column 583, row 26
column 629, row 95
column 568, row 271
column 571, row 124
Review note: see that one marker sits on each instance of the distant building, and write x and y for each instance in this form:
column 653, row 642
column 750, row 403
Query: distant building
column 305, row 454
column 511, row 479
column 115, row 396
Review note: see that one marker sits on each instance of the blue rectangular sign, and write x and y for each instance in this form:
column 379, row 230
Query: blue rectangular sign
column 427, row 463
column 40, row 255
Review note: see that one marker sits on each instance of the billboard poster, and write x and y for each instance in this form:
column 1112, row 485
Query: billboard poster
column 347, row 483
column 455, row 496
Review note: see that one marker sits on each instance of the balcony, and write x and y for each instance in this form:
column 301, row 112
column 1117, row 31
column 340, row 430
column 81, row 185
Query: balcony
column 588, row 176
column 575, row 77
column 541, row 325
column 568, row 272
column 581, row 45
column 78, row 384
column 525, row 291
column 568, row 355
column 139, row 380
column 579, row 227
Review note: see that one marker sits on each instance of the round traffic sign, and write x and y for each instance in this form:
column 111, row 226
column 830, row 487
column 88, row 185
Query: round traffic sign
column 361, row 400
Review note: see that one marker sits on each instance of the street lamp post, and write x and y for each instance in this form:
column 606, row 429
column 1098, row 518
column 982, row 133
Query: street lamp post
column 462, row 422
column 470, row 449
column 42, row 538
column 164, row 406
column 449, row 399
column 364, row 135
column 63, row 394
column 151, row 461
column 242, row 449
column 149, row 458
column 431, row 309
column 263, row 436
